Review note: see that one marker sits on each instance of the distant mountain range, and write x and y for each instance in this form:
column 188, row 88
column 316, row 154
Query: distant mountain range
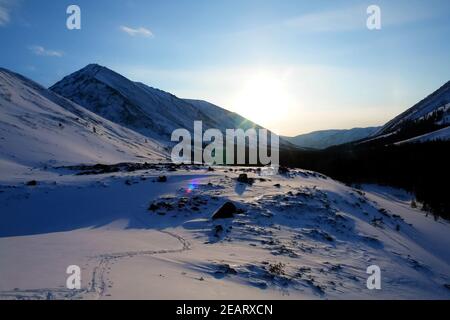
column 326, row 138
column 427, row 120
column 97, row 115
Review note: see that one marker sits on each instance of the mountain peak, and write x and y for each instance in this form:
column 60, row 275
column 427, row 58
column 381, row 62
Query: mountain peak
column 93, row 69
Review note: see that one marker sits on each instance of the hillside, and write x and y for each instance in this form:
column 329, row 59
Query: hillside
column 40, row 128
column 149, row 111
column 327, row 138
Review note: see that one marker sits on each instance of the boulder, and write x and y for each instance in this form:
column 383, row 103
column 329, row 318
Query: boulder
column 243, row 178
column 226, row 211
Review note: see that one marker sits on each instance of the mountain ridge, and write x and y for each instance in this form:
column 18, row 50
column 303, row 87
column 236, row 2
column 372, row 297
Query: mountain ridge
column 429, row 115
column 39, row 128
column 322, row 139
column 420, row 109
column 147, row 110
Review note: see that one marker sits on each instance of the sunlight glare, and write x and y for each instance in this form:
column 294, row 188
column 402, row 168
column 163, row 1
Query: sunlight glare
column 264, row 99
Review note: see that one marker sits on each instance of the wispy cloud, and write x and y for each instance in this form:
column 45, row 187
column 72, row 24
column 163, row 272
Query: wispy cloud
column 41, row 51
column 335, row 20
column 143, row 32
column 354, row 18
column 5, row 10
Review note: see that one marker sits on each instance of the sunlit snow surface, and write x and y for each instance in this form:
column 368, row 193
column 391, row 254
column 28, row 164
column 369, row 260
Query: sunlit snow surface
column 310, row 237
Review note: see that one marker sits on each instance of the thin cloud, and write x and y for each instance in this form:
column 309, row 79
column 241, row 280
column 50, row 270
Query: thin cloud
column 5, row 9
column 41, row 51
column 337, row 20
column 354, row 18
column 143, row 32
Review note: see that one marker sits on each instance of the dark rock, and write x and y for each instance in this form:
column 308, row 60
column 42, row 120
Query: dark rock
column 226, row 211
column 31, row 183
column 165, row 205
column 226, row 269
column 243, row 178
column 260, row 284
column 162, row 179
column 160, row 205
column 277, row 185
column 283, row 170
column 218, row 230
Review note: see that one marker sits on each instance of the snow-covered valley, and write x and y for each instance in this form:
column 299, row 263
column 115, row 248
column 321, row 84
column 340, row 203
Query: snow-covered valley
column 135, row 235
column 77, row 189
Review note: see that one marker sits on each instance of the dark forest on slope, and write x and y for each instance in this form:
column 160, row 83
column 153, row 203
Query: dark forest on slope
column 420, row 168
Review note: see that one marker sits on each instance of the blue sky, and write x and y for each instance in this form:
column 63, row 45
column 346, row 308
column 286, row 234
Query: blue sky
column 291, row 65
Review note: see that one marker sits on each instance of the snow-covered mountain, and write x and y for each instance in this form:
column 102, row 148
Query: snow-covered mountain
column 327, row 138
column 227, row 119
column 149, row 111
column 441, row 134
column 435, row 102
column 39, row 127
column 429, row 115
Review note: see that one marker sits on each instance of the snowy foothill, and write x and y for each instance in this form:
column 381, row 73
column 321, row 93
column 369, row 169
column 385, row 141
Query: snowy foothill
column 39, row 129
column 298, row 235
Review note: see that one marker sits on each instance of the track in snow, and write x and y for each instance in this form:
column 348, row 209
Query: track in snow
column 99, row 281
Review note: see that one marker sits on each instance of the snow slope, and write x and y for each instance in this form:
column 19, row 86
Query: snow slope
column 327, row 138
column 424, row 108
column 39, row 128
column 149, row 111
column 152, row 112
column 227, row 119
column 300, row 235
column 441, row 134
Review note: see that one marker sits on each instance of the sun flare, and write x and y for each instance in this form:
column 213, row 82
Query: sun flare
column 264, row 99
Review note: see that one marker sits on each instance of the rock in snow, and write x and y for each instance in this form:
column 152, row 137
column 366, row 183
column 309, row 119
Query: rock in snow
column 226, row 211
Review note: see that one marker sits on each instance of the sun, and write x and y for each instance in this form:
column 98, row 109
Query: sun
column 263, row 98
